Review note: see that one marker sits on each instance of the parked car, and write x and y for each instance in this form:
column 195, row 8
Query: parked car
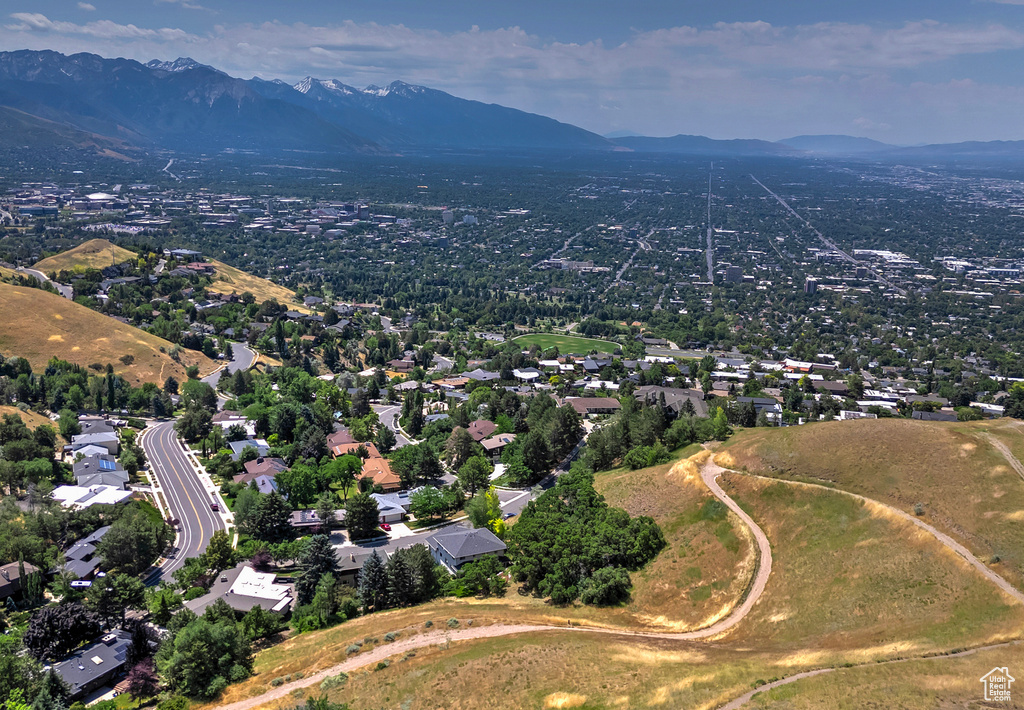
column 385, row 527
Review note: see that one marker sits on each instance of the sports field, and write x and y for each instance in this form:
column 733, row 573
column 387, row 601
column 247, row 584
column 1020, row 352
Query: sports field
column 565, row 343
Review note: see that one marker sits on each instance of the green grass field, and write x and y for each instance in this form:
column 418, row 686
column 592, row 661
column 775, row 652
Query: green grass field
column 565, row 343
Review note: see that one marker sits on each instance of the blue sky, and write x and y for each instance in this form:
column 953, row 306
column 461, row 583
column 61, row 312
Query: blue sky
column 902, row 72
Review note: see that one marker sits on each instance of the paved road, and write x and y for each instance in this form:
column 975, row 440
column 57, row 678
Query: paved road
column 389, row 414
column 711, row 232
column 65, row 291
column 184, row 494
column 242, row 358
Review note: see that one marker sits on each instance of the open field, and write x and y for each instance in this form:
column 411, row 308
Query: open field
column 232, row 280
column 851, row 582
column 7, row 273
column 39, row 325
column 966, row 486
column 565, row 343
column 93, row 254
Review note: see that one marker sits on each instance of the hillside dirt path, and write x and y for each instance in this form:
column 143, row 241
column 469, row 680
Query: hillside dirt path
column 709, row 474
column 747, row 697
column 942, row 537
column 1007, row 454
column 710, row 471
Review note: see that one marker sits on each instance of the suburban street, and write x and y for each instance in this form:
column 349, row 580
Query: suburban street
column 242, row 359
column 186, row 497
column 389, row 414
column 65, row 291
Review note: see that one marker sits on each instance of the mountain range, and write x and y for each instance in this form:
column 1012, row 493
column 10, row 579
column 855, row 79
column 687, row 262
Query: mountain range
column 116, row 105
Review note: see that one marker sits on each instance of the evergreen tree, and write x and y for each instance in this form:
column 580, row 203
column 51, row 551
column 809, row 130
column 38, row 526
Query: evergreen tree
column 400, row 584
column 373, row 583
column 318, row 560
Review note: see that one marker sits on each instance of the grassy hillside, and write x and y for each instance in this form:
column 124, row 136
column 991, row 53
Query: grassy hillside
column 850, row 585
column 93, row 254
column 23, row 130
column 39, row 325
column 966, row 486
column 232, row 280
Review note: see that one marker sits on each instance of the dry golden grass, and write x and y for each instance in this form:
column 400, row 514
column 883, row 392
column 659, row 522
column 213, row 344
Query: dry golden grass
column 39, row 325
column 915, row 685
column 853, row 582
column 967, row 488
column 849, row 585
column 93, row 254
column 231, row 280
column 31, row 419
column 6, row 273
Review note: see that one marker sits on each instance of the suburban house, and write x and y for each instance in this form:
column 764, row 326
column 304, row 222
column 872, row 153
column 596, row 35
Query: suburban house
column 391, row 508
column 225, row 420
column 934, row 416
column 80, row 559
column 496, row 444
column 101, row 470
column 350, row 564
column 308, row 518
column 456, row 546
column 379, row 470
column 769, row 406
column 243, row 588
column 375, row 466
column 106, row 439
column 675, row 398
column 80, row 497
column 10, row 578
column 237, row 447
column 339, row 438
column 482, row 375
column 261, row 467
column 95, row 665
column 481, row 429
column 592, row 406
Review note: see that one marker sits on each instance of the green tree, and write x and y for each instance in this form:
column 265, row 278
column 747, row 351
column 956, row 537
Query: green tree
column 361, row 516
column 270, row 519
column 475, row 473
column 202, row 657
column 219, row 555
column 319, row 559
column 326, row 504
column 373, row 583
column 385, row 440
column 459, row 447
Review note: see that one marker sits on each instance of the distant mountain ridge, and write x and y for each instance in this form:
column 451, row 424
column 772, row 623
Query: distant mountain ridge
column 186, row 105
column 115, row 105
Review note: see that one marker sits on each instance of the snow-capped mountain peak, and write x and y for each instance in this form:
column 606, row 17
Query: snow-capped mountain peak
column 179, row 64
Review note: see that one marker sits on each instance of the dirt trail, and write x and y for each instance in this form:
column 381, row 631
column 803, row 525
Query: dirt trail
column 745, row 698
column 1007, row 454
column 709, row 474
column 942, row 537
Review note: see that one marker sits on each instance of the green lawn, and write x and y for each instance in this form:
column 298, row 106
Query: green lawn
column 565, row 343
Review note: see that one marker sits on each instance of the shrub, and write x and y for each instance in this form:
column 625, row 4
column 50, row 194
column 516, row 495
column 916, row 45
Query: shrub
column 127, row 359
column 607, row 586
column 334, row 681
column 994, row 559
column 276, row 682
column 428, row 624
column 194, row 593
column 918, row 508
column 288, row 678
column 453, row 623
column 390, row 636
column 354, row 648
column 298, row 676
column 381, row 665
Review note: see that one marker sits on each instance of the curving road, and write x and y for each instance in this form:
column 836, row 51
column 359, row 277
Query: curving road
column 185, row 495
column 64, row 290
column 242, row 358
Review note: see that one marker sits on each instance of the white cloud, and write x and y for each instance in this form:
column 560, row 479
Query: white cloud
column 187, row 4
column 87, row 6
column 729, row 79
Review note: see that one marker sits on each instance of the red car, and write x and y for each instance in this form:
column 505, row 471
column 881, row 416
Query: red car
column 385, row 527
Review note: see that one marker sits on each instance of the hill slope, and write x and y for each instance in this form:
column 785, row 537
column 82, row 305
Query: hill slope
column 232, row 280
column 40, row 325
column 93, row 254
column 965, row 485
